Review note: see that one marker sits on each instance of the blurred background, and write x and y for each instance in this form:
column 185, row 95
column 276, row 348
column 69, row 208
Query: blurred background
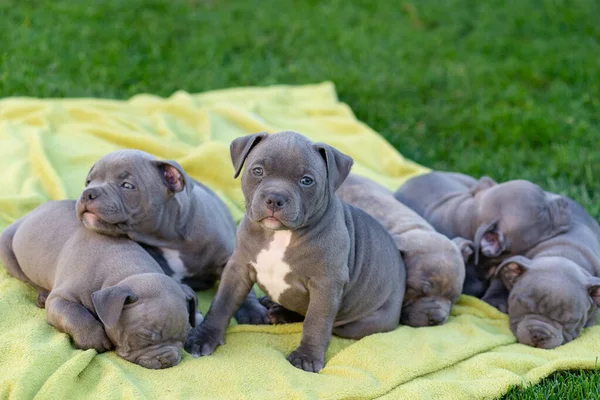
column 505, row 88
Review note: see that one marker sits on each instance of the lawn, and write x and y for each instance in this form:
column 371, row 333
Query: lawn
column 509, row 88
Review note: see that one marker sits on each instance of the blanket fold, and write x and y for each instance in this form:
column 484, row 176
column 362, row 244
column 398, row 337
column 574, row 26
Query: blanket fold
column 47, row 146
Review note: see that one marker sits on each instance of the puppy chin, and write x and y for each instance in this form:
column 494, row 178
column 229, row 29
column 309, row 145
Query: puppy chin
column 273, row 224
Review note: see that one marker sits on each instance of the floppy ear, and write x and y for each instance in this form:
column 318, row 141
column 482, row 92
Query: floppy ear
column 172, row 174
column 109, row 303
column 485, row 182
column 240, row 148
column 465, row 246
column 482, row 230
column 338, row 164
column 593, row 288
column 512, row 269
column 560, row 214
column 192, row 303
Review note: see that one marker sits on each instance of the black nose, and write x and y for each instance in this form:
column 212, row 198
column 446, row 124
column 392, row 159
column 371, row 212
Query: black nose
column 90, row 194
column 275, row 201
column 436, row 319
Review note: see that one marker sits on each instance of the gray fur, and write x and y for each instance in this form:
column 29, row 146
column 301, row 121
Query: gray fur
column 168, row 213
column 86, row 281
column 554, row 287
column 345, row 274
column 435, row 268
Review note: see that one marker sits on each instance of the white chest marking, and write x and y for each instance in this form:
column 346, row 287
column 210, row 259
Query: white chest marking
column 270, row 267
column 175, row 263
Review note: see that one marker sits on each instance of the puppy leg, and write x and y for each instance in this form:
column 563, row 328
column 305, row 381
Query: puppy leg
column 323, row 306
column 233, row 289
column 497, row 295
column 7, row 255
column 279, row 314
column 385, row 319
column 252, row 311
column 74, row 319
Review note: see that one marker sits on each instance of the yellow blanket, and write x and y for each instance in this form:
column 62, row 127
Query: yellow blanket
column 46, row 149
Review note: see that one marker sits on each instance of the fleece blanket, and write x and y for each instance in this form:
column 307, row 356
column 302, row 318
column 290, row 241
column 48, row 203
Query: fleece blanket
column 46, row 149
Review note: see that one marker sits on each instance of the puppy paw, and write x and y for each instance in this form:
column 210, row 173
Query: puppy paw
column 252, row 313
column 202, row 341
column 306, row 362
column 95, row 338
column 500, row 303
column 279, row 314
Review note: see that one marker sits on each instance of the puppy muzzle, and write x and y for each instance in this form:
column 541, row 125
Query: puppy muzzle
column 538, row 333
column 156, row 357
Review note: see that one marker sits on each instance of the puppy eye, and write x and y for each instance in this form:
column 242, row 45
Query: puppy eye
column 87, row 182
column 306, row 181
column 257, row 171
column 127, row 185
column 130, row 300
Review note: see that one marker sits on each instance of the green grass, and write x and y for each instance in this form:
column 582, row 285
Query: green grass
column 507, row 88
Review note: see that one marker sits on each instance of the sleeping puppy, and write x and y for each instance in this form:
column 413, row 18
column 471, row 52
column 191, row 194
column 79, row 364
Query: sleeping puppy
column 555, row 289
column 435, row 268
column 306, row 249
column 101, row 290
column 180, row 222
column 502, row 219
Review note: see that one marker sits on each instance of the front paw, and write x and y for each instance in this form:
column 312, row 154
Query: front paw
column 305, row 361
column 253, row 313
column 501, row 303
column 202, row 341
column 95, row 338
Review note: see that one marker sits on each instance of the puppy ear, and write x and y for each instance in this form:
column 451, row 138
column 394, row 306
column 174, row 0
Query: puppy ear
column 109, row 303
column 593, row 288
column 192, row 303
column 241, row 147
column 512, row 269
column 338, row 164
column 485, row 182
column 465, row 246
column 482, row 230
column 560, row 214
column 172, row 174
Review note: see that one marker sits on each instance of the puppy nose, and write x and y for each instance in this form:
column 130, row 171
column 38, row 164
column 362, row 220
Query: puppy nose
column 275, row 201
column 90, row 194
column 436, row 319
column 539, row 336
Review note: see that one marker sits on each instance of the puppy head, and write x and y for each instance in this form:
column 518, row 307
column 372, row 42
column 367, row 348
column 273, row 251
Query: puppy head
column 288, row 180
column 550, row 300
column 148, row 318
column 435, row 272
column 516, row 215
column 126, row 191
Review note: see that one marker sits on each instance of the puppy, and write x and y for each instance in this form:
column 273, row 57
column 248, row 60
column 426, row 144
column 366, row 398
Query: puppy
column 101, row 290
column 502, row 219
column 306, row 249
column 180, row 222
column 554, row 288
column 435, row 268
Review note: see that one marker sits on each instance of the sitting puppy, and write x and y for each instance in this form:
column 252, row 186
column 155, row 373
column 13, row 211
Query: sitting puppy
column 435, row 265
column 502, row 219
column 306, row 249
column 100, row 290
column 180, row 222
column 555, row 289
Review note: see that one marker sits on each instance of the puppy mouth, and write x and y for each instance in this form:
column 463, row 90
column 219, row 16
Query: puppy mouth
column 273, row 223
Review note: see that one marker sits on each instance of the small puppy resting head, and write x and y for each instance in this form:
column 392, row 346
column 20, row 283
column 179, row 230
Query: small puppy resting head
column 515, row 216
column 288, row 180
column 435, row 272
column 551, row 299
column 147, row 317
column 126, row 191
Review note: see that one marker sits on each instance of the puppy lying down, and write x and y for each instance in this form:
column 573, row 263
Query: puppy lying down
column 103, row 291
column 554, row 288
column 502, row 219
column 435, row 268
column 310, row 252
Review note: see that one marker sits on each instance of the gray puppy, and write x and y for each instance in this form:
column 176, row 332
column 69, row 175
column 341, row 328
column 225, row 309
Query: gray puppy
column 435, row 268
column 306, row 249
column 502, row 219
column 180, row 222
column 100, row 290
column 555, row 289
